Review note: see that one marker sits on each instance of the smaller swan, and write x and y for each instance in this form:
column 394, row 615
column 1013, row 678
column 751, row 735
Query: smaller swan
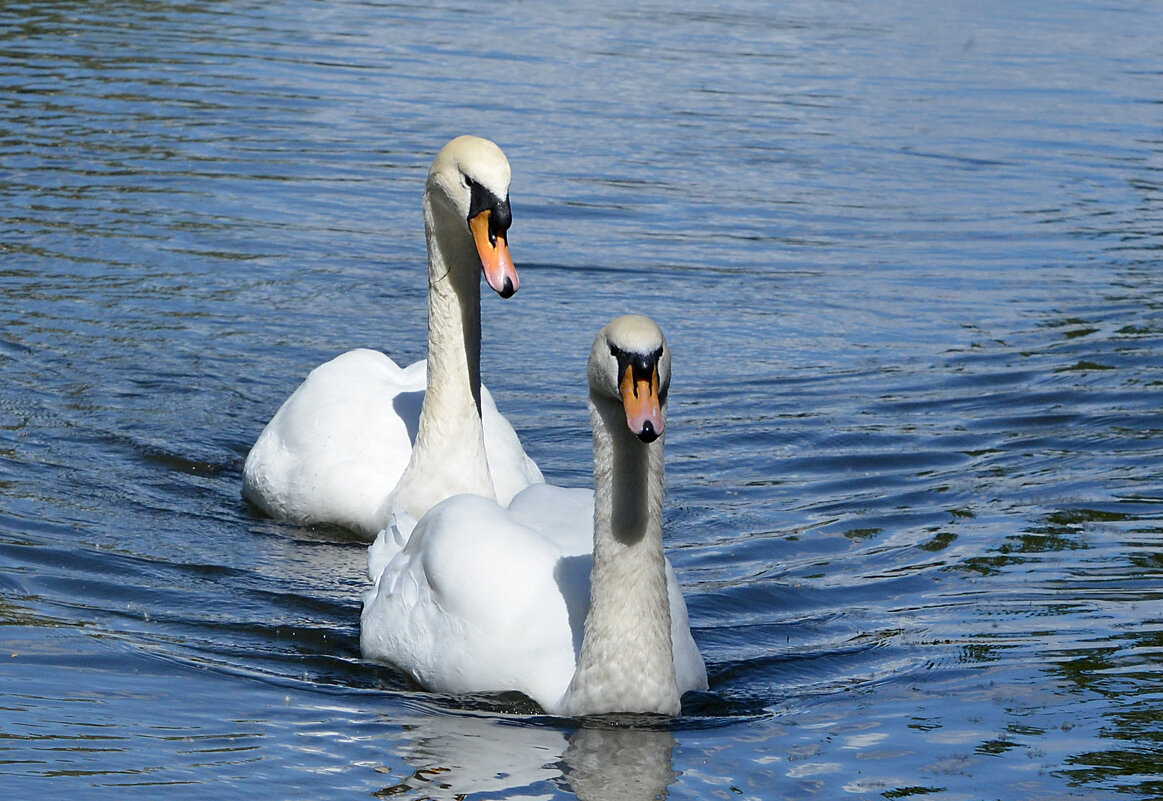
column 484, row 599
column 362, row 441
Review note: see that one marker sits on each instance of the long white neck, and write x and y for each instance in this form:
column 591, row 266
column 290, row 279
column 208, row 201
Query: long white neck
column 448, row 456
column 627, row 660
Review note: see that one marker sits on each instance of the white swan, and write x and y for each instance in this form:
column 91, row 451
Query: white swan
column 579, row 610
column 340, row 449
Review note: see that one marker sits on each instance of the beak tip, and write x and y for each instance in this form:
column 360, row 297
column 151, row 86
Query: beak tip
column 648, row 433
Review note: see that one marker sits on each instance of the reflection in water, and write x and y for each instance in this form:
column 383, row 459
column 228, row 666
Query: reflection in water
column 453, row 756
column 465, row 755
column 620, row 764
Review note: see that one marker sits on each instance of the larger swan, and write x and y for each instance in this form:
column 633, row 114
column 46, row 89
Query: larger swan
column 581, row 613
column 340, row 449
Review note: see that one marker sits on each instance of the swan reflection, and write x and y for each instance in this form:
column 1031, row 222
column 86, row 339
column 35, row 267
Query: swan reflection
column 466, row 755
column 604, row 764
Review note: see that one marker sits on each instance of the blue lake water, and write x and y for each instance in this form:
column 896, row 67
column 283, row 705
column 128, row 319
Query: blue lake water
column 909, row 259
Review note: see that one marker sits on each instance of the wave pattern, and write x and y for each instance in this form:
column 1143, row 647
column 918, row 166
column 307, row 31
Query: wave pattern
column 908, row 263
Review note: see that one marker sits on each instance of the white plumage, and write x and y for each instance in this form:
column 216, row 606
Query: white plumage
column 361, row 438
column 566, row 595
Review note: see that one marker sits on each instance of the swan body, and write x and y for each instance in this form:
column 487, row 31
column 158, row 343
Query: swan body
column 566, row 595
column 346, row 434
column 362, row 439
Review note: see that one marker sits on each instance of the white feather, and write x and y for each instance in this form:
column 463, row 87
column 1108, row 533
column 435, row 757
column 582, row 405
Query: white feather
column 361, row 438
column 565, row 599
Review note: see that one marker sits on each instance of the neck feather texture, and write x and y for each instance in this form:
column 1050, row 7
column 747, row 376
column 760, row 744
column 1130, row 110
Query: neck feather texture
column 448, row 456
column 627, row 660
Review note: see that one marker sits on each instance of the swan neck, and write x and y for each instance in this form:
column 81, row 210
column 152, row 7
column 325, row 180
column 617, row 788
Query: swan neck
column 448, row 456
column 626, row 662
column 628, row 481
column 454, row 311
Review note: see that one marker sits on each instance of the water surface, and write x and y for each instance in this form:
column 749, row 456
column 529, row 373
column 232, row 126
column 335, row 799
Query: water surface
column 908, row 260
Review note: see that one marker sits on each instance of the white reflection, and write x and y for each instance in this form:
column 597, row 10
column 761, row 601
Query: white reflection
column 453, row 756
column 458, row 756
column 620, row 764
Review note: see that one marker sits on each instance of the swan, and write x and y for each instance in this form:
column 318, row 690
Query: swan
column 340, row 449
column 566, row 596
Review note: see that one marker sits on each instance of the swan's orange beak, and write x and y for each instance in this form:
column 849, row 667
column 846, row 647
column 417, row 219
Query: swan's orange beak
column 643, row 408
column 496, row 261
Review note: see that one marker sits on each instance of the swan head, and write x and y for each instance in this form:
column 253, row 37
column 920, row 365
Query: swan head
column 470, row 176
column 630, row 363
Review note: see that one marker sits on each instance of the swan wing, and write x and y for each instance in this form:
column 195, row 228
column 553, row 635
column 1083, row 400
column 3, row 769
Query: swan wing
column 690, row 671
column 564, row 515
column 511, row 469
column 339, row 443
column 473, row 603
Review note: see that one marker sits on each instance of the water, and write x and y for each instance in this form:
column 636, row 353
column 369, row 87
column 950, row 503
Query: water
column 908, row 259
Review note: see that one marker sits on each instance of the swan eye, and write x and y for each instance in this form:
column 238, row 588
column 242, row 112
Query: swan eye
column 468, row 182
